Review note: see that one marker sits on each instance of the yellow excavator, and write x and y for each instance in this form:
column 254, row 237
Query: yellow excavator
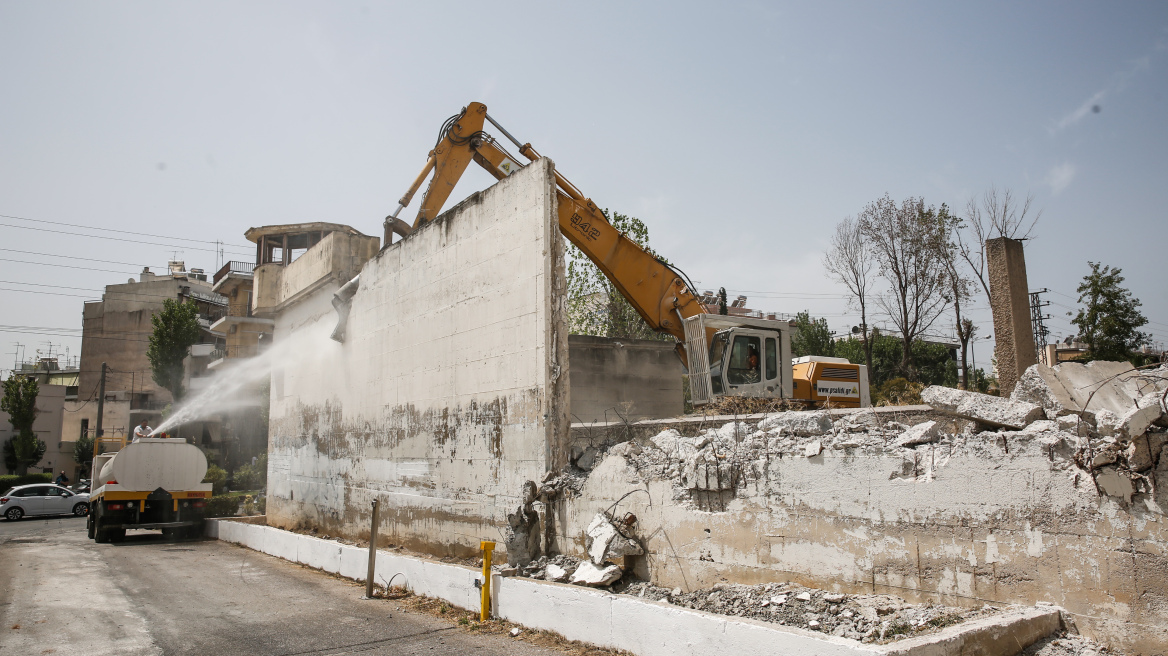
column 723, row 355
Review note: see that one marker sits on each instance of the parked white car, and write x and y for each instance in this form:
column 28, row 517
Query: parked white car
column 29, row 500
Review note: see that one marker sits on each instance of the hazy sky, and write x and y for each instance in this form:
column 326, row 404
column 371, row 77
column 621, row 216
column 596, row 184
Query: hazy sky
column 741, row 133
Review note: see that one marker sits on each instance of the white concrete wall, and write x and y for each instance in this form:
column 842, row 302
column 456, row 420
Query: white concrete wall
column 446, row 395
column 642, row 627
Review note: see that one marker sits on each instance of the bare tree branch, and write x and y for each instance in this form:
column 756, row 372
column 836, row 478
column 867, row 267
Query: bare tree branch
column 850, row 261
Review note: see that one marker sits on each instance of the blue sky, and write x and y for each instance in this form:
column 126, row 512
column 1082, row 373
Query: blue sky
column 739, row 132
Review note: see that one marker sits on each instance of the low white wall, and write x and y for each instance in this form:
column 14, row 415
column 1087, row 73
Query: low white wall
column 642, row 627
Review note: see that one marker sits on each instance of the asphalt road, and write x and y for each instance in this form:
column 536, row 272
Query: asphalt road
column 62, row 594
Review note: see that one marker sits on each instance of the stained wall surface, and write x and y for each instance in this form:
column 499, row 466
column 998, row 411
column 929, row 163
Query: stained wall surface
column 450, row 390
column 1014, row 345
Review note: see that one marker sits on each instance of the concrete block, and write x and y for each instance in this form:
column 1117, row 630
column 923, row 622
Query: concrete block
column 923, row 433
column 354, row 563
column 211, row 529
column 801, row 423
column 281, row 544
column 983, row 408
column 595, row 575
column 254, row 537
column 1142, row 453
column 573, row 612
column 320, row 554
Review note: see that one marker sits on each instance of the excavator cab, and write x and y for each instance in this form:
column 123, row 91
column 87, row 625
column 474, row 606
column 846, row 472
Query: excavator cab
column 737, row 356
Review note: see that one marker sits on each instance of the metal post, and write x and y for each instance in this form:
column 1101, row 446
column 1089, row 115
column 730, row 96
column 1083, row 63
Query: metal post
column 100, row 401
column 372, row 553
column 485, row 588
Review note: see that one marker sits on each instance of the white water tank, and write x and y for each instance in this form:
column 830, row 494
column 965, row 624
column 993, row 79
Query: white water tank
column 152, row 463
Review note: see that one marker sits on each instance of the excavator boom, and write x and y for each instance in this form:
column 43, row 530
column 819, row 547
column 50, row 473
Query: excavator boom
column 654, row 289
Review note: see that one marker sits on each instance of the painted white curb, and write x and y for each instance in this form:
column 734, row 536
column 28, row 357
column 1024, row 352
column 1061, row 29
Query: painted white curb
column 646, row 628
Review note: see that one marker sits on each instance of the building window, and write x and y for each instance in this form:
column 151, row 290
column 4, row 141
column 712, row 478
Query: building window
column 84, row 427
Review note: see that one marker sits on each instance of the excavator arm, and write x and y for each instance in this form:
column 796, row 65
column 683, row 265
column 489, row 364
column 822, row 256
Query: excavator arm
column 652, row 287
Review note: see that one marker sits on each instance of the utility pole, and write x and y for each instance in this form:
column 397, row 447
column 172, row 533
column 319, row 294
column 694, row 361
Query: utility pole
column 100, row 400
column 1036, row 317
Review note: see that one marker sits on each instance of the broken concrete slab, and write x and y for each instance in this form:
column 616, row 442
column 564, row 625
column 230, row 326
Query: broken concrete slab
column 592, row 576
column 1076, row 388
column 605, row 542
column 983, row 408
column 1115, row 483
column 1143, row 452
column 556, row 573
column 800, row 423
column 1146, row 411
column 922, row 433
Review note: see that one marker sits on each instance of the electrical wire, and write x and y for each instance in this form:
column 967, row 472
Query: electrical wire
column 121, row 239
column 126, row 232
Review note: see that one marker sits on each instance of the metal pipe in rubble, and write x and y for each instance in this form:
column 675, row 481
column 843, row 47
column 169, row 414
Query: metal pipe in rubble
column 342, row 303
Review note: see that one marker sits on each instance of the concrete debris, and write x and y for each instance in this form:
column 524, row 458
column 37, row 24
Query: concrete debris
column 1107, row 423
column 606, row 543
column 801, row 424
column 1066, row 644
column 556, row 573
column 983, row 408
column 595, row 577
column 523, row 535
column 1115, row 483
column 557, row 568
column 923, row 433
column 1145, row 451
column 813, row 449
column 1073, row 424
column 868, row 618
column 586, row 458
column 1146, row 411
column 514, row 631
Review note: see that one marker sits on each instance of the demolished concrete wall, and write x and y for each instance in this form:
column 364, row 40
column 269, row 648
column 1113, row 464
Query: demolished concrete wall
column 931, row 506
column 450, row 390
column 624, row 379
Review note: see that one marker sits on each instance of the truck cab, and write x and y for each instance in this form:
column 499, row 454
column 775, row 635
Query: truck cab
column 745, row 357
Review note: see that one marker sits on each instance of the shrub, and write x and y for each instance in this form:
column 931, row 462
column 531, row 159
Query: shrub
column 217, row 477
column 13, row 480
column 222, row 506
column 257, row 505
column 252, row 477
column 898, row 391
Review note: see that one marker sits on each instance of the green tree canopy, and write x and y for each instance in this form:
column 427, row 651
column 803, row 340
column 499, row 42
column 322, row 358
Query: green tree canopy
column 811, row 336
column 1110, row 318
column 595, row 306
column 933, row 363
column 176, row 329
column 19, row 401
column 83, row 451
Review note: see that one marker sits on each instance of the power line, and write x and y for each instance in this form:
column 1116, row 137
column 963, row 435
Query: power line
column 121, row 239
column 125, row 232
column 74, row 257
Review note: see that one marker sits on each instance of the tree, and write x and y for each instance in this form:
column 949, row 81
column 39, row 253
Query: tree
column 19, row 401
column 934, row 362
column 960, row 291
column 811, row 336
column 176, row 329
column 1109, row 321
column 595, row 305
column 909, row 243
column 849, row 261
column 997, row 215
column 722, row 309
column 83, row 451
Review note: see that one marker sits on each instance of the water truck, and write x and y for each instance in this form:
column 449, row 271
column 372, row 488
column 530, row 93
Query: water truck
column 150, row 483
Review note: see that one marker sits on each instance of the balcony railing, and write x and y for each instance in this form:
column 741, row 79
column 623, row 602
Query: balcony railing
column 233, row 266
column 240, row 309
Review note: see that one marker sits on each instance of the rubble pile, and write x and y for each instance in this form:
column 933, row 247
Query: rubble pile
column 1065, row 644
column 867, row 618
column 1116, row 442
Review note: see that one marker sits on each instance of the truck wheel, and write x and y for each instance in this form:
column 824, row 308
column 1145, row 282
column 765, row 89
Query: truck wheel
column 100, row 533
column 89, row 525
column 80, row 509
column 14, row 514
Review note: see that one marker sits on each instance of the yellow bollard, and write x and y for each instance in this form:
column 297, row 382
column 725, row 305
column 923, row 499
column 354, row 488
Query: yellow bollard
column 485, row 606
